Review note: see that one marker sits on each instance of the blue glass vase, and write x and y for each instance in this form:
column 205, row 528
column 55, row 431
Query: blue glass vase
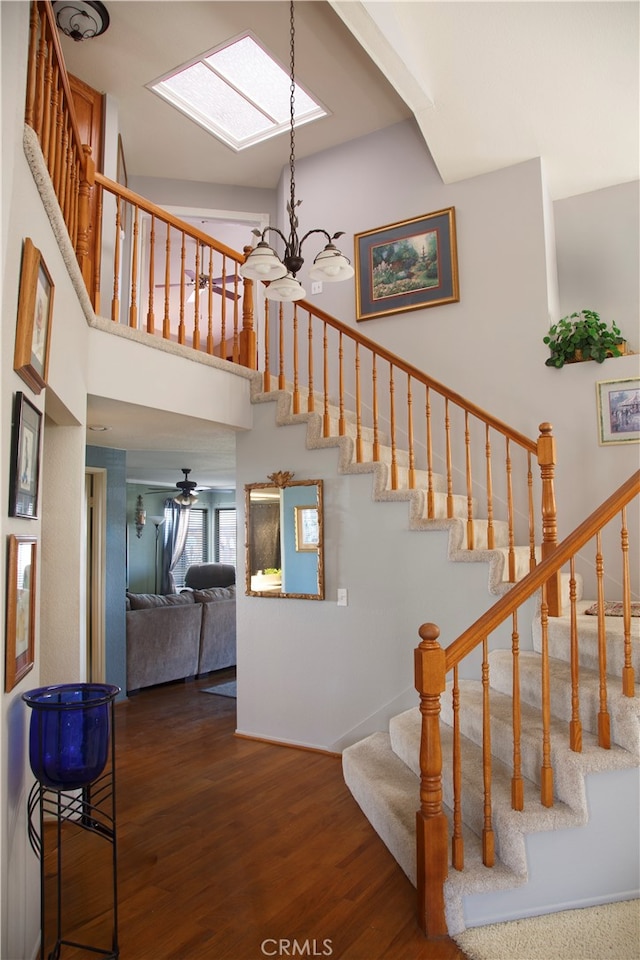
column 69, row 732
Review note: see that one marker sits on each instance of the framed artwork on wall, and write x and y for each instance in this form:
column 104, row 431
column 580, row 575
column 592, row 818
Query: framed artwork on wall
column 407, row 266
column 307, row 528
column 21, row 608
column 33, row 329
column 25, row 459
column 618, row 411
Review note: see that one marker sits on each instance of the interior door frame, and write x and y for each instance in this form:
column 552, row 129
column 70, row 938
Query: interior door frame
column 96, row 570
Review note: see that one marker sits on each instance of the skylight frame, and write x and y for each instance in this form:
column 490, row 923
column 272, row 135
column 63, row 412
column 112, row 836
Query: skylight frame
column 161, row 88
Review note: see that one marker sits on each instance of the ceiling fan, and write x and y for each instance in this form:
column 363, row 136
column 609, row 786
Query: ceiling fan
column 203, row 283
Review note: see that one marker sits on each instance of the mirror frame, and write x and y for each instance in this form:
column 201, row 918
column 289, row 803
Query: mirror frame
column 279, row 481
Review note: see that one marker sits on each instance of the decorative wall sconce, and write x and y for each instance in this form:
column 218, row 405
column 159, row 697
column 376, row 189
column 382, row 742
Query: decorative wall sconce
column 140, row 517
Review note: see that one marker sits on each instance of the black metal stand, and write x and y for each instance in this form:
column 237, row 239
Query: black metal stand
column 91, row 808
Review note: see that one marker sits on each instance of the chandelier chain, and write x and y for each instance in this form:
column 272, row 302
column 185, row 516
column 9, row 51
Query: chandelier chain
column 292, row 90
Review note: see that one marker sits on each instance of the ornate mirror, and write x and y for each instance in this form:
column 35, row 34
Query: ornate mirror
column 283, row 538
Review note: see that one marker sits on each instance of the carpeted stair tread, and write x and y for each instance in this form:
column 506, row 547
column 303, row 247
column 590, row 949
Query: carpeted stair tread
column 559, row 638
column 624, row 711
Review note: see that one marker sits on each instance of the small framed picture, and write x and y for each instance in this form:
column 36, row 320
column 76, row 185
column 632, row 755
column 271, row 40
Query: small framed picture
column 618, row 411
column 407, row 266
column 33, row 330
column 25, row 459
column 21, row 608
column 307, row 528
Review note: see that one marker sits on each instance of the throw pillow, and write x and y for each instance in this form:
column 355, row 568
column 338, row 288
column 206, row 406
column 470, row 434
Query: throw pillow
column 214, row 593
column 145, row 601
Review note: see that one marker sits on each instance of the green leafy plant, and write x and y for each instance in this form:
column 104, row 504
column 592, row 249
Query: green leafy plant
column 582, row 336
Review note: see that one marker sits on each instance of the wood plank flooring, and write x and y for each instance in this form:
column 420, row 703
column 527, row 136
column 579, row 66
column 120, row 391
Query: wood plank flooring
column 232, row 849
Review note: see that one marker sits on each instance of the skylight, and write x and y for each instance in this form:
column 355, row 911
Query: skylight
column 237, row 92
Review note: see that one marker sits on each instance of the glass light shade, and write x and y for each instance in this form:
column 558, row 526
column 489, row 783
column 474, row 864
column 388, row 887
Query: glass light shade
column 263, row 264
column 69, row 732
column 81, row 19
column 185, row 500
column 331, row 266
column 285, row 289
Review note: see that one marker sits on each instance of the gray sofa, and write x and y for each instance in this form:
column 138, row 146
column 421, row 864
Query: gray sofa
column 179, row 635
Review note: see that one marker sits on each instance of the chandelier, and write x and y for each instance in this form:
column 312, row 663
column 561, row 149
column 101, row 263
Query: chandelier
column 186, row 497
column 263, row 263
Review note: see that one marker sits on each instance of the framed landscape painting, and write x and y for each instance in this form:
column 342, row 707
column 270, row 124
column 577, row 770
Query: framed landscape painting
column 33, row 329
column 21, row 608
column 407, row 266
column 618, row 411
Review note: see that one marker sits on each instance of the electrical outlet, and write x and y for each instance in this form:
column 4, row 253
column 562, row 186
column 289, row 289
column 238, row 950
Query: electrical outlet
column 316, row 286
column 343, row 599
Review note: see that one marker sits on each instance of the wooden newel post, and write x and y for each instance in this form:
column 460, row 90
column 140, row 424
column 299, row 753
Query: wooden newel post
column 84, row 193
column 547, row 462
column 431, row 822
column 248, row 344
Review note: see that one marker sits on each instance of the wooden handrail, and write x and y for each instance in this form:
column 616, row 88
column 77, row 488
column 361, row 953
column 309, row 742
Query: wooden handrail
column 525, row 588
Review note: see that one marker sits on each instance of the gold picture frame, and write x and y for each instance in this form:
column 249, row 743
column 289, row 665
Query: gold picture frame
column 21, row 609
column 307, row 527
column 35, row 311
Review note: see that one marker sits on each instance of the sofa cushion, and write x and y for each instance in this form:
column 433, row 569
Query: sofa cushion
column 145, row 601
column 214, row 593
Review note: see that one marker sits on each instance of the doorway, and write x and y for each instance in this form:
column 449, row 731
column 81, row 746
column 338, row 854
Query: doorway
column 96, row 534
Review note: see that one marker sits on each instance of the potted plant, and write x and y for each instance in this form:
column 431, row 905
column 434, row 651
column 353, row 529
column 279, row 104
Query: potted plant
column 583, row 336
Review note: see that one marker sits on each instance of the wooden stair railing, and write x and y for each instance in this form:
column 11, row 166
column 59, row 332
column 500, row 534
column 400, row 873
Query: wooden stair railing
column 209, row 308
column 433, row 663
column 437, row 429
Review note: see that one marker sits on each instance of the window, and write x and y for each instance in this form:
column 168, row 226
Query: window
column 238, row 93
column 196, row 549
column 226, row 535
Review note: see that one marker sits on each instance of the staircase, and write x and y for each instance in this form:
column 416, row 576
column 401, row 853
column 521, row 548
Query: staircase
column 587, row 859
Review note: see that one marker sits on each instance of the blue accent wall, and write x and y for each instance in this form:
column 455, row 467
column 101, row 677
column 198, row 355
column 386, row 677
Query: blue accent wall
column 114, row 462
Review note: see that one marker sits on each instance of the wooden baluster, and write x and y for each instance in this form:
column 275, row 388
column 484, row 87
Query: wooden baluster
column 267, row 374
column 358, row 407
column 210, row 343
column 222, row 350
column 467, row 447
column 447, row 432
column 166, row 319
column 490, row 528
column 98, row 251
column 59, row 133
column 33, row 73
column 547, row 460
column 628, row 673
column 296, row 384
column 248, row 340
column 41, row 105
column 82, row 241
column 64, row 160
column 431, row 822
column 392, row 418
column 195, row 338
column 281, row 376
column 45, row 114
column 488, row 839
column 236, row 318
column 510, row 518
column 133, row 308
column 326, row 430
column 310, row 396
column 412, row 458
column 374, row 410
column 115, row 300
column 532, row 527
column 575, row 724
column 604, row 727
column 430, row 497
column 56, row 130
column 546, row 772
column 457, row 841
column 73, row 194
column 183, row 256
column 517, row 783
column 152, row 249
column 341, row 421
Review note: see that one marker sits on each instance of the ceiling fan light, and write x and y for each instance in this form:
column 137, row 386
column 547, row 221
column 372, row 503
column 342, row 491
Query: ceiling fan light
column 185, row 500
column 285, row 289
column 331, row 266
column 263, row 264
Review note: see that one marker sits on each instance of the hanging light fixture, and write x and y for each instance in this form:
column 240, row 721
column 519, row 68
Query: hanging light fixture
column 81, row 19
column 263, row 263
column 186, row 487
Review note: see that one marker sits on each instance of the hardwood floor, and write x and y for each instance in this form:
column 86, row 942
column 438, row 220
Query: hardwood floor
column 232, row 849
